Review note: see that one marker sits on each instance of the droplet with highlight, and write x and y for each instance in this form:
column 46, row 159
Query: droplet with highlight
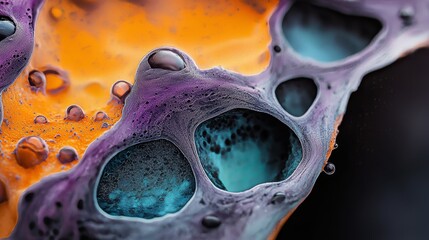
column 31, row 151
column 407, row 15
column 278, row 197
column 329, row 168
column 211, row 221
column 40, row 120
column 166, row 60
column 120, row 90
column 37, row 80
column 100, row 116
column 75, row 113
column 67, row 155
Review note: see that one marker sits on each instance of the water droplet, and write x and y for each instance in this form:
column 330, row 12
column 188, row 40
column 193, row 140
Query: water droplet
column 407, row 15
column 57, row 13
column 335, row 145
column 7, row 27
column 75, row 113
column 121, row 89
column 31, row 151
column 40, row 120
column 329, row 168
column 278, row 198
column 166, row 60
column 57, row 80
column 3, row 192
column 37, row 80
column 100, row 116
column 67, row 155
column 211, row 221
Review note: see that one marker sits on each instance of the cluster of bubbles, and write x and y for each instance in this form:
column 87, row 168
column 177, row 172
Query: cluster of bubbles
column 32, row 150
column 137, row 170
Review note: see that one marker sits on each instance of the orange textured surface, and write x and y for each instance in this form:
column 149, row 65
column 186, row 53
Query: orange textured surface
column 104, row 44
column 333, row 140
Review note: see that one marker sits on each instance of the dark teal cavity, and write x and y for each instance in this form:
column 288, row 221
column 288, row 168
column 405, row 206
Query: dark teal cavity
column 326, row 35
column 297, row 95
column 146, row 180
column 7, row 27
column 242, row 148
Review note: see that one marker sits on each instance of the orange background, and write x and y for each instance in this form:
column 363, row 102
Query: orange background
column 104, row 44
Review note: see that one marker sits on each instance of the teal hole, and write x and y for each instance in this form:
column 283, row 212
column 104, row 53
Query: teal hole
column 297, row 95
column 147, row 180
column 242, row 148
column 326, row 35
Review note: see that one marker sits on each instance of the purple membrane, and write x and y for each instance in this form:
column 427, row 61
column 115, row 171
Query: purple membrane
column 170, row 105
column 17, row 19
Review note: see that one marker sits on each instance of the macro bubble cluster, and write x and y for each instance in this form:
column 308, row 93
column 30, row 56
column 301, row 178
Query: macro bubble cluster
column 211, row 154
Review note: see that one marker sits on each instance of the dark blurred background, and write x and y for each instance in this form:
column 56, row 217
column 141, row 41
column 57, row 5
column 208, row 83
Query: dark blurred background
column 380, row 189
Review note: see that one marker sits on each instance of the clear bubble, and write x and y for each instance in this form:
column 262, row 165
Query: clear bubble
column 166, row 60
column 278, row 197
column 31, row 151
column 211, row 221
column 37, row 80
column 67, row 155
column 100, row 116
column 40, row 120
column 120, row 90
column 329, row 168
column 407, row 15
column 75, row 113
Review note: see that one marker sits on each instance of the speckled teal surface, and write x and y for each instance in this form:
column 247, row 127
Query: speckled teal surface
column 241, row 149
column 141, row 182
